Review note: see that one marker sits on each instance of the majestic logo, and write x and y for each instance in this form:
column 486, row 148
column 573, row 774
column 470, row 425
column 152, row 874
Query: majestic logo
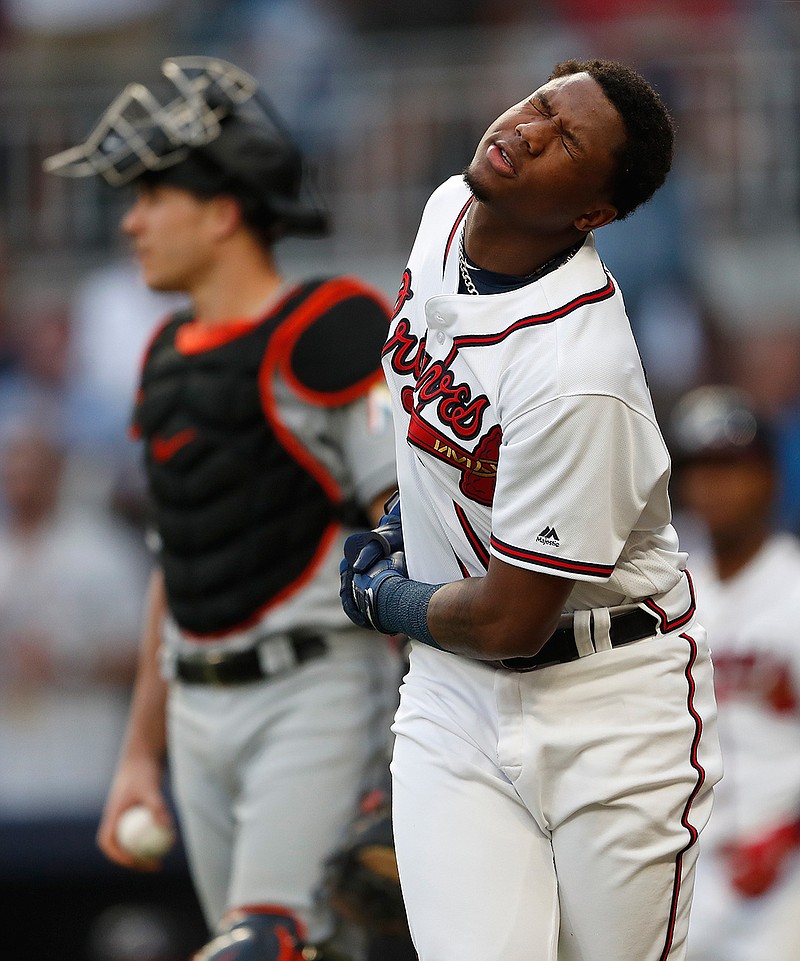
column 549, row 536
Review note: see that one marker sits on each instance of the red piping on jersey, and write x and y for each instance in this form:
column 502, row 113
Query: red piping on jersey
column 701, row 777
column 469, row 532
column 547, row 560
column 449, row 243
column 489, row 340
column 325, row 297
column 666, row 624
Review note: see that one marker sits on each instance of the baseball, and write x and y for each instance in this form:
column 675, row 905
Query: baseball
column 142, row 836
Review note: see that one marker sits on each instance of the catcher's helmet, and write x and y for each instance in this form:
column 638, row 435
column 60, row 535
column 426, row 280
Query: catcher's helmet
column 220, row 134
column 717, row 421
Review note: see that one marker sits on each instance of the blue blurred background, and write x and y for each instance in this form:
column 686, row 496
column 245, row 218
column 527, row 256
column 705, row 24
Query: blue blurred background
column 386, row 104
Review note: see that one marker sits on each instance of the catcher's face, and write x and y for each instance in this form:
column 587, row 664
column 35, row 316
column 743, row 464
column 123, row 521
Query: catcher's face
column 546, row 164
column 174, row 235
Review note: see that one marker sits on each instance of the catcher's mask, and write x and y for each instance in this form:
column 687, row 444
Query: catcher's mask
column 220, row 134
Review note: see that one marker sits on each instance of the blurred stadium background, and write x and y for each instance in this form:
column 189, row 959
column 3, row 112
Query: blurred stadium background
column 387, row 100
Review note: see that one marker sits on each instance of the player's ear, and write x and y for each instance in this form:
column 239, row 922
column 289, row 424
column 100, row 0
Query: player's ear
column 227, row 213
column 593, row 219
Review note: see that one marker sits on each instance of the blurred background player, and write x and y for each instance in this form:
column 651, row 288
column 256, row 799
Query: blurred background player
column 747, row 576
column 266, row 437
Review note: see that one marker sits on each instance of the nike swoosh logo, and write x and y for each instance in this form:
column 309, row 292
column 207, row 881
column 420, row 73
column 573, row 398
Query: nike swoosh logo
column 164, row 448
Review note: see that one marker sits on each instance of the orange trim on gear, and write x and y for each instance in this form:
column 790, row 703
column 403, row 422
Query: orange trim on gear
column 196, row 337
column 134, row 430
column 325, row 297
column 325, row 542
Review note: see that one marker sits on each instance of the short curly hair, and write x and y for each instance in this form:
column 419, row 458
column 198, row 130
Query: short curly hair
column 646, row 157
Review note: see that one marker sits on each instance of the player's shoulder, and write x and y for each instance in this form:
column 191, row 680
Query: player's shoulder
column 596, row 349
column 334, row 334
column 444, row 204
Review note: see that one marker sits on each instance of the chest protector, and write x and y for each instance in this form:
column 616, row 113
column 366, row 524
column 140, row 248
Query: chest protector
column 241, row 506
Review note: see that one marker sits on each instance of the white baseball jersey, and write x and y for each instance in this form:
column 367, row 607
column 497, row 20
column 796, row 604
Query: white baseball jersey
column 753, row 621
column 554, row 813
column 535, row 439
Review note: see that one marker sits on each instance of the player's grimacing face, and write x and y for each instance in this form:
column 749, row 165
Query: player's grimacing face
column 171, row 233
column 550, row 158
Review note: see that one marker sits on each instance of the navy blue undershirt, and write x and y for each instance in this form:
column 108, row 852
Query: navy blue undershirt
column 490, row 282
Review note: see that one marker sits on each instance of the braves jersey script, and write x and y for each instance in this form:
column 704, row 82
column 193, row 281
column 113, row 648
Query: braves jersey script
column 524, row 425
column 756, row 650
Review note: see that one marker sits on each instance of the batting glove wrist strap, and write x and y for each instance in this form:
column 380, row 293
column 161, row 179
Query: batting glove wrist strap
column 359, row 588
column 402, row 608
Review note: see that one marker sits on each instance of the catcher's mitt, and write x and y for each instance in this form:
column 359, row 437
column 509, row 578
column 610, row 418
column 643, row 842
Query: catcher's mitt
column 362, row 882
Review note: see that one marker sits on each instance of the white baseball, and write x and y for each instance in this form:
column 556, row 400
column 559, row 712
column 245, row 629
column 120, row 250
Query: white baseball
column 140, row 834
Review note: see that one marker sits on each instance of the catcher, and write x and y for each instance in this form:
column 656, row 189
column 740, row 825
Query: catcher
column 266, row 438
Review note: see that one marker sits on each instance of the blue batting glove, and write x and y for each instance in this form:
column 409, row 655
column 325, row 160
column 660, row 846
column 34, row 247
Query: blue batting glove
column 364, row 549
column 359, row 589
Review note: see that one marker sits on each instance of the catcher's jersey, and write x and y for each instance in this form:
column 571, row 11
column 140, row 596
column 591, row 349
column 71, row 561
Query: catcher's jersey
column 524, row 425
column 756, row 650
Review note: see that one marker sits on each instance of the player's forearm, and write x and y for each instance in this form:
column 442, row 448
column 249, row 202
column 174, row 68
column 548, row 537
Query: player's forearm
column 507, row 613
column 146, row 732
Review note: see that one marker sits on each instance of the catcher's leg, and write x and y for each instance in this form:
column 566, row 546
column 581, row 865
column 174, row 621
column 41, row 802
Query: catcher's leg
column 257, row 934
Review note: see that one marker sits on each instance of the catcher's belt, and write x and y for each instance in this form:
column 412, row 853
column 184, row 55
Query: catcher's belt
column 269, row 658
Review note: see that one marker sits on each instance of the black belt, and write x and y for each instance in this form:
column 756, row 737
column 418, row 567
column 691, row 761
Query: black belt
column 239, row 667
column 560, row 647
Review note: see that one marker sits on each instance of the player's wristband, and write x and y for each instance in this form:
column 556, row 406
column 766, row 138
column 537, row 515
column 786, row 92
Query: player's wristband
column 402, row 608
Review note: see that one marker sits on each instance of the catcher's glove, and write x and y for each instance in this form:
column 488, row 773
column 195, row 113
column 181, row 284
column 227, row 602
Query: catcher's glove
column 362, row 881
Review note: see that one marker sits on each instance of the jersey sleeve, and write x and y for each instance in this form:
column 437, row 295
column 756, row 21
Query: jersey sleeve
column 575, row 477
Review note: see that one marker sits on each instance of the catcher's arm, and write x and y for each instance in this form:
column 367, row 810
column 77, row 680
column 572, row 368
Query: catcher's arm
column 141, row 767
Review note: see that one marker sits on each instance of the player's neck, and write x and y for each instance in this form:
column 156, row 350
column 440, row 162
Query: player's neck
column 240, row 286
column 506, row 249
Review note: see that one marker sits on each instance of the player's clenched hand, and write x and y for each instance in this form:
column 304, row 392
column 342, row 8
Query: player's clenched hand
column 363, row 556
column 367, row 547
column 756, row 865
column 136, row 782
column 359, row 588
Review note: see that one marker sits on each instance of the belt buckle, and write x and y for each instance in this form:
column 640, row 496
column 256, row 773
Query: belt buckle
column 209, row 666
column 276, row 654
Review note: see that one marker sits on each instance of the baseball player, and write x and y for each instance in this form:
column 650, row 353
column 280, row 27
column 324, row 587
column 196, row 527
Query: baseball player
column 555, row 742
column 748, row 583
column 265, row 437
